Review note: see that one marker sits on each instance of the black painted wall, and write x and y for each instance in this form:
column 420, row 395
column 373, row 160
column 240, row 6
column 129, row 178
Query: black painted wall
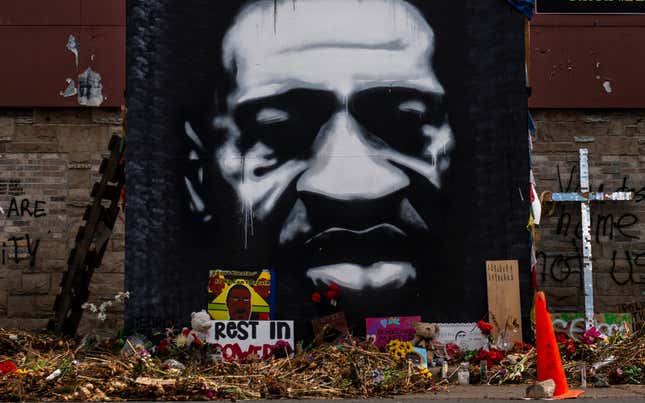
column 175, row 76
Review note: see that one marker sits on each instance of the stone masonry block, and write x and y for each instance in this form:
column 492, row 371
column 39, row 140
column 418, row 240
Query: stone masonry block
column 109, row 116
column 7, row 129
column 62, row 116
column 113, row 262
column 78, row 178
column 23, row 323
column 34, row 283
column 10, row 279
column 4, row 296
column 84, row 138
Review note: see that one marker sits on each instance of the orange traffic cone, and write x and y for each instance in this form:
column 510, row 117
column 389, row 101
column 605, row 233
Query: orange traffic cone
column 549, row 363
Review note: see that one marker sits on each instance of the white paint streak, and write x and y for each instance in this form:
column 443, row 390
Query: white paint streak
column 607, row 86
column 70, row 91
column 72, row 46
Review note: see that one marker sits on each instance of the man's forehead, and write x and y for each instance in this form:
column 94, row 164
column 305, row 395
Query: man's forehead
column 286, row 25
column 271, row 42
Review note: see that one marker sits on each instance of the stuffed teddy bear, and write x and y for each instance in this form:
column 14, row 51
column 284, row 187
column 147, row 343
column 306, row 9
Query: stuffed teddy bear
column 425, row 334
column 424, row 337
column 201, row 324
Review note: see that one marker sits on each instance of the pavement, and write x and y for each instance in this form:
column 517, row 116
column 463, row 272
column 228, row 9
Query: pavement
column 492, row 393
column 515, row 392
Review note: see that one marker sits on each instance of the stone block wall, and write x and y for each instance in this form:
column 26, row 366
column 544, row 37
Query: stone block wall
column 49, row 160
column 616, row 144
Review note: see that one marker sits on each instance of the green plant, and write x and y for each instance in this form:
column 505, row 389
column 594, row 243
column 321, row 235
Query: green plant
column 633, row 374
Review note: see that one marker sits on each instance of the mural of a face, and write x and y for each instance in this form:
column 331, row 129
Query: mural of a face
column 238, row 302
column 333, row 126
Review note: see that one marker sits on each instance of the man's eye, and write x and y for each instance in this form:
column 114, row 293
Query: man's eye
column 267, row 116
column 396, row 115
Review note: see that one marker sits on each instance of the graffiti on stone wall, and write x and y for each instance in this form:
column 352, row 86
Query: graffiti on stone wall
column 609, row 324
column 626, row 264
column 16, row 248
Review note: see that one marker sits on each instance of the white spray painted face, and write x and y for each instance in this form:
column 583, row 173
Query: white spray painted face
column 341, row 47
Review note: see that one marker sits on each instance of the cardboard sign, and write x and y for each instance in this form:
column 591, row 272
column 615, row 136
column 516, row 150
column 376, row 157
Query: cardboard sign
column 418, row 357
column 466, row 335
column 504, row 310
column 637, row 311
column 337, row 322
column 240, row 295
column 382, row 330
column 238, row 339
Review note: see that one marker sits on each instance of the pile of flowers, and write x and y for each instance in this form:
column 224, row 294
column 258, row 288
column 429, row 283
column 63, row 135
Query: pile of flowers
column 400, row 350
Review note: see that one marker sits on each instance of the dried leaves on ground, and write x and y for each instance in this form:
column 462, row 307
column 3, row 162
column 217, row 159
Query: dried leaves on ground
column 55, row 369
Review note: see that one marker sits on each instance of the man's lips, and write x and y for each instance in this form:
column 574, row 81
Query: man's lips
column 377, row 275
column 383, row 242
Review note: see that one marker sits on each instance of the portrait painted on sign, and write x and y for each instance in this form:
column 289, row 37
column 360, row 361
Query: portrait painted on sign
column 326, row 140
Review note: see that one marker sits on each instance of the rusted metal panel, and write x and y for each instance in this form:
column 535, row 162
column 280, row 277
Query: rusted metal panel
column 40, row 12
column 103, row 12
column 37, row 63
column 588, row 66
column 104, row 52
column 585, row 20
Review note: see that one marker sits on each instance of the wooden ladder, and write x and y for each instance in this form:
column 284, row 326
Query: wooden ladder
column 91, row 241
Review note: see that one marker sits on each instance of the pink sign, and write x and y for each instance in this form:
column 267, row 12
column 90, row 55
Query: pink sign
column 382, row 330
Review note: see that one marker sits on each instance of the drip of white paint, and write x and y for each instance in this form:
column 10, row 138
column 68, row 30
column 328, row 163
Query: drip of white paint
column 196, row 201
column 188, row 129
column 607, row 86
column 72, row 46
column 247, row 210
column 70, row 91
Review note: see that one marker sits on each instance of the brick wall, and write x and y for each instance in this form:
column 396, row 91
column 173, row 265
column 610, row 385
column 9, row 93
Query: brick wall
column 616, row 143
column 49, row 159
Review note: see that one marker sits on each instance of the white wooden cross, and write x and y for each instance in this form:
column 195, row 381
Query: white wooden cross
column 585, row 197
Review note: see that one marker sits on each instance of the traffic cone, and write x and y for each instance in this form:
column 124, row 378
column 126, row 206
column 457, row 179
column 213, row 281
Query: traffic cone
column 549, row 363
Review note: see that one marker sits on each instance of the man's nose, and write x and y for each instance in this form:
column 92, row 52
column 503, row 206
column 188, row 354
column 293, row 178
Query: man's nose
column 346, row 166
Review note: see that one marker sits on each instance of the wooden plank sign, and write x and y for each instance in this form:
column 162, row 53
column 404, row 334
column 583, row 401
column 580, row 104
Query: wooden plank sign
column 504, row 309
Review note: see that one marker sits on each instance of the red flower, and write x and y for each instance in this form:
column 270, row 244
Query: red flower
column 331, row 294
column 315, row 297
column 334, row 287
column 452, row 349
column 484, row 327
column 561, row 337
column 7, row 367
column 494, row 357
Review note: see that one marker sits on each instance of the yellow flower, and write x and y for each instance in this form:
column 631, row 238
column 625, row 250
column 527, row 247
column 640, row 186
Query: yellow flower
column 21, row 371
column 425, row 371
